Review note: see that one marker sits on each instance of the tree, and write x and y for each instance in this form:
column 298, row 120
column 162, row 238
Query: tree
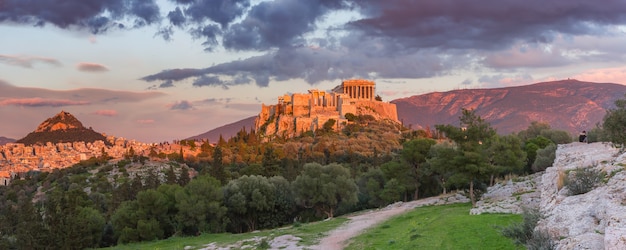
column 248, row 197
column 399, row 171
column 472, row 137
column 170, row 176
column 441, row 162
column 324, row 188
column 371, row 185
column 505, row 156
column 200, row 207
column 270, row 162
column 217, row 168
column 614, row 124
column 183, row 178
column 414, row 152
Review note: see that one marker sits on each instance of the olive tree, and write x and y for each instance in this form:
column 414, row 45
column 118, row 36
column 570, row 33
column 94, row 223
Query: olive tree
column 324, row 188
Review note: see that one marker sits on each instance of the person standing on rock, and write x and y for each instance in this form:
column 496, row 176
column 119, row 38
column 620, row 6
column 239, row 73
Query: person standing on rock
column 582, row 137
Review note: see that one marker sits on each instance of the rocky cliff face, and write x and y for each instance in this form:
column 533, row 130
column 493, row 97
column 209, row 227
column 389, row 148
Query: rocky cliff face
column 567, row 105
column 594, row 220
column 63, row 127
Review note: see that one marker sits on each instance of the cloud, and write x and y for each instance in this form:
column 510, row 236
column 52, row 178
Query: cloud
column 27, row 61
column 94, row 16
column 485, row 24
column 180, row 105
column 40, row 102
column 381, row 39
column 91, row 67
column 390, row 39
column 88, row 95
column 106, row 112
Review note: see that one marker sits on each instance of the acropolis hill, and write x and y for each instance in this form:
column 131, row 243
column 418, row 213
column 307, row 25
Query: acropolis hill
column 298, row 113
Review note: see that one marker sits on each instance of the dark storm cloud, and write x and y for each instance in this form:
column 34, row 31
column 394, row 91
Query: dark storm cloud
column 274, row 24
column 315, row 65
column 485, row 24
column 96, row 16
column 388, row 39
column 396, row 38
column 219, row 11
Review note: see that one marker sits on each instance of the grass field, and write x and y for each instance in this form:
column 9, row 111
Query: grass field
column 439, row 227
column 309, row 232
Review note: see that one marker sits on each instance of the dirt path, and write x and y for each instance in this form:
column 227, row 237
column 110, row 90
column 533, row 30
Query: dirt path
column 339, row 238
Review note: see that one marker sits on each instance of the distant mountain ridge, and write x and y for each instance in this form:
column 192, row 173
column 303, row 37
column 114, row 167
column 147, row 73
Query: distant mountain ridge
column 5, row 140
column 63, row 127
column 569, row 105
column 227, row 131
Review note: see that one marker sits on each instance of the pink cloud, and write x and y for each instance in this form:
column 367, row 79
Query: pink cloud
column 27, row 61
column 145, row 121
column 91, row 67
column 610, row 75
column 106, row 112
column 40, row 102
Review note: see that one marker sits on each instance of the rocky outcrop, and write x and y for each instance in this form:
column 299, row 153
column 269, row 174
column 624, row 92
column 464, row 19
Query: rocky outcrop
column 512, row 196
column 594, row 220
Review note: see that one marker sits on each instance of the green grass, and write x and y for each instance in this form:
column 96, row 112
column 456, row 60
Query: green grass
column 439, row 227
column 310, row 233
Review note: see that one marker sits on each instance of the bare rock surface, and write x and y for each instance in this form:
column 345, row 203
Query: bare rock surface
column 594, row 220
column 511, row 196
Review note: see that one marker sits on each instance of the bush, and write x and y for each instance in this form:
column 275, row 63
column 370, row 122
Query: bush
column 540, row 240
column 522, row 233
column 583, row 180
column 544, row 159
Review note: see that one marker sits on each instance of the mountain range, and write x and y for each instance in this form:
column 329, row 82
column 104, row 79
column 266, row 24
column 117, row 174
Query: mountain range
column 569, row 105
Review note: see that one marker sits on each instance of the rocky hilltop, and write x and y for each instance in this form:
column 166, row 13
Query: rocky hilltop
column 63, row 127
column 569, row 105
column 298, row 113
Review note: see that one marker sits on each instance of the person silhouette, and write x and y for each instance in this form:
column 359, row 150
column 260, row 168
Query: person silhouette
column 582, row 137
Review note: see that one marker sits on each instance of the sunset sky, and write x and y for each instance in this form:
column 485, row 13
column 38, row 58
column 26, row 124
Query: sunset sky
column 157, row 70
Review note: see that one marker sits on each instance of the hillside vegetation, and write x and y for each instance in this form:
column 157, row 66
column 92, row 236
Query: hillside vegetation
column 243, row 184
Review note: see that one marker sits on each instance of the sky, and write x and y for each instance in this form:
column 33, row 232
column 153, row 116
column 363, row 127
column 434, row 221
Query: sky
column 161, row 70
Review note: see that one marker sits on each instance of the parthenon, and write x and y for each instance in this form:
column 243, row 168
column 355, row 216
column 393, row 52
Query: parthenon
column 357, row 88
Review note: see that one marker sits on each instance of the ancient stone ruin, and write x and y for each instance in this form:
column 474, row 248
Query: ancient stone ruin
column 298, row 113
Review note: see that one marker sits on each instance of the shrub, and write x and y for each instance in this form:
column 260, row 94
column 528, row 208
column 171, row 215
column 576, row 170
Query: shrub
column 522, row 233
column 544, row 159
column 540, row 240
column 583, row 180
